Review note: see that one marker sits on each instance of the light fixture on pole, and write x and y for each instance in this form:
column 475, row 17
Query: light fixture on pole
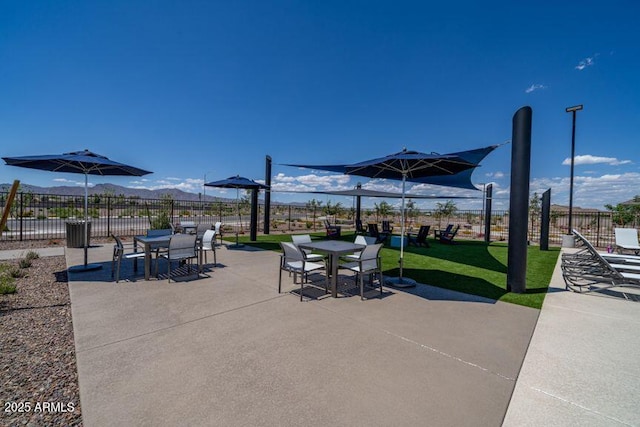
column 572, row 110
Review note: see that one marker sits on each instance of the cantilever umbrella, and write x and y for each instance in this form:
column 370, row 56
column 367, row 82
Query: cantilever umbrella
column 237, row 182
column 405, row 165
column 84, row 162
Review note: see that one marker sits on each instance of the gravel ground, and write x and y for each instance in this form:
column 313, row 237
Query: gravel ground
column 39, row 381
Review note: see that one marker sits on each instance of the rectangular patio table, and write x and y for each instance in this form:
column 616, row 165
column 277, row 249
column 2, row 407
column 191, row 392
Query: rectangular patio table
column 334, row 248
column 149, row 242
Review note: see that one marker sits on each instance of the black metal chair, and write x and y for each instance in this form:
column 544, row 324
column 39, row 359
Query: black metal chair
column 333, row 231
column 421, row 238
column 360, row 229
column 448, row 237
column 374, row 232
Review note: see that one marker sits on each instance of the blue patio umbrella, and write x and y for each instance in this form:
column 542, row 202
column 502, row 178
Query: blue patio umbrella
column 84, row 162
column 238, row 182
column 406, row 166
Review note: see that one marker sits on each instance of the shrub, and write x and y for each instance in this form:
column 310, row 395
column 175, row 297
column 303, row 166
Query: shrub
column 31, row 255
column 16, row 272
column 24, row 263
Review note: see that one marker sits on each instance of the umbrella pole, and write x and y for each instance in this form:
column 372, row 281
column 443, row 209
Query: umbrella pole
column 86, row 266
column 400, row 282
column 86, row 216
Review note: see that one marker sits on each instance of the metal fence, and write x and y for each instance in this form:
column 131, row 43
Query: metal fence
column 43, row 216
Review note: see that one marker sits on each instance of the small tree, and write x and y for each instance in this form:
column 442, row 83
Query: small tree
column 445, row 210
column 313, row 205
column 534, row 210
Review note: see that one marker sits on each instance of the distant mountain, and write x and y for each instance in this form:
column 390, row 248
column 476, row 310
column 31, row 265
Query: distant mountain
column 113, row 189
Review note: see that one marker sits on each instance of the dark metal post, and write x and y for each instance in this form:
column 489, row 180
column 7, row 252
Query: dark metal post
column 487, row 214
column 546, row 218
column 519, row 200
column 358, row 203
column 267, row 195
column 572, row 110
column 253, row 226
column 598, row 232
column 108, row 215
column 21, row 213
column 289, row 221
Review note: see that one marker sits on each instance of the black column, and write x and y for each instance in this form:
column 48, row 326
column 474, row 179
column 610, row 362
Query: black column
column 487, row 214
column 267, row 195
column 253, row 226
column 358, row 204
column 519, row 200
column 546, row 218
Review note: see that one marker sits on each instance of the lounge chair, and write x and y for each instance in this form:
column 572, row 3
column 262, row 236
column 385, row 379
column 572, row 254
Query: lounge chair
column 295, row 261
column 591, row 270
column 387, row 227
column 374, row 232
column 421, row 238
column 437, row 233
column 368, row 262
column 627, row 240
column 448, row 237
column 333, row 231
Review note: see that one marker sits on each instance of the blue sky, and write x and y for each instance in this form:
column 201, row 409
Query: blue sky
column 192, row 89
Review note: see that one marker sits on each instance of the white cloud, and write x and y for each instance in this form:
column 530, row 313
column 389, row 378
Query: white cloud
column 496, row 175
column 534, row 87
column 588, row 159
column 586, row 62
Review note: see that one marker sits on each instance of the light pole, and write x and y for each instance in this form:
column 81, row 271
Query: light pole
column 572, row 110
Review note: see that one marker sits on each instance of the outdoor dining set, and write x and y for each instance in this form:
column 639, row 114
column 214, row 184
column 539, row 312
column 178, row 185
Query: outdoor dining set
column 180, row 244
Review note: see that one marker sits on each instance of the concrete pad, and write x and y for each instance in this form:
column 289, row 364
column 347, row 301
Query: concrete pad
column 230, row 350
column 582, row 364
column 21, row 253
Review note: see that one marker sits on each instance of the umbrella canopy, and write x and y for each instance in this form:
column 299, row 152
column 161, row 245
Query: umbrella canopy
column 84, row 162
column 238, row 182
column 405, row 165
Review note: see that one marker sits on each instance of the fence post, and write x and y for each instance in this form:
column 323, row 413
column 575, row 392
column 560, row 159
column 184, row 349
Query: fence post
column 289, row 218
column 598, row 230
column 544, row 222
column 21, row 213
column 108, row 215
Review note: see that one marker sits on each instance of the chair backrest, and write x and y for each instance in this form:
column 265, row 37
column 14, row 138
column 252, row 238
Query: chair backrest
column 626, row 237
column 291, row 252
column 182, row 246
column 364, row 240
column 118, row 240
column 201, row 229
column 373, row 230
column 359, row 227
column 370, row 252
column 423, row 233
column 453, row 233
column 208, row 239
column 161, row 232
column 596, row 255
column 386, row 226
column 327, row 224
column 448, row 229
column 217, row 227
column 300, row 238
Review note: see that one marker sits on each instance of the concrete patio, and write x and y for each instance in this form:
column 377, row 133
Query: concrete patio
column 230, row 350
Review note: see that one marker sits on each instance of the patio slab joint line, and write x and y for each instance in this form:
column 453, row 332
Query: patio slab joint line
column 435, row 350
column 579, row 406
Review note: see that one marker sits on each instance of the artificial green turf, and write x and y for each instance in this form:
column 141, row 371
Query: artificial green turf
column 472, row 267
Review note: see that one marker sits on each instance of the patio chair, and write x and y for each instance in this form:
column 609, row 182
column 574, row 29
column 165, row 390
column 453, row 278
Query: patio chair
column 182, row 247
column 369, row 263
column 295, row 261
column 592, row 270
column 448, row 237
column 333, row 231
column 156, row 233
column 421, row 238
column 360, row 229
column 437, row 233
column 218, row 229
column 359, row 240
column 374, row 232
column 201, row 229
column 208, row 245
column 119, row 253
column 387, row 227
column 627, row 240
column 299, row 239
